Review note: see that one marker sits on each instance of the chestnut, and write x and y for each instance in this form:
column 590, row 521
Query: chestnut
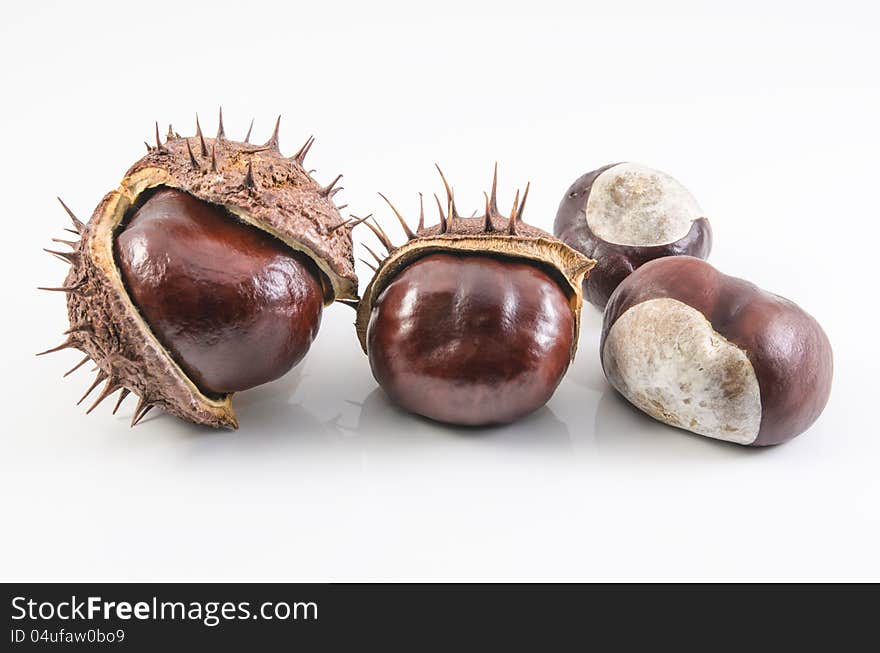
column 473, row 321
column 624, row 215
column 234, row 306
column 470, row 339
column 204, row 273
column 715, row 354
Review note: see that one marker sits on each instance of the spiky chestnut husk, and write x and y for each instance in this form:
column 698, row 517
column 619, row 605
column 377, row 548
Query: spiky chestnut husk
column 473, row 320
column 255, row 183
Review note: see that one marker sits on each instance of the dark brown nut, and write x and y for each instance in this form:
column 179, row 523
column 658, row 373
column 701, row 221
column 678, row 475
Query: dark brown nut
column 234, row 306
column 714, row 354
column 470, row 339
column 624, row 215
column 473, row 321
column 204, row 273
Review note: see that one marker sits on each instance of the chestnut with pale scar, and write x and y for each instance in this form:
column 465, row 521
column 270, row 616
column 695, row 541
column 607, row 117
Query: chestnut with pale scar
column 204, row 273
column 472, row 321
column 624, row 215
column 714, row 354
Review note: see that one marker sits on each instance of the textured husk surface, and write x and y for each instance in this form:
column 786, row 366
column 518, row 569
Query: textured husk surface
column 469, row 236
column 255, row 183
column 107, row 326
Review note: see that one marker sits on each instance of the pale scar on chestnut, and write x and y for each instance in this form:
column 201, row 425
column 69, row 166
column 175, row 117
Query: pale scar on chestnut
column 204, row 273
column 472, row 321
column 625, row 215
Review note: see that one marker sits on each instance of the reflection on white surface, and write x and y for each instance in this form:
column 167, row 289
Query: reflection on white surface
column 625, row 433
column 326, row 479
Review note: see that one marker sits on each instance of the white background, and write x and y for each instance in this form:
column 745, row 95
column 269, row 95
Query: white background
column 768, row 112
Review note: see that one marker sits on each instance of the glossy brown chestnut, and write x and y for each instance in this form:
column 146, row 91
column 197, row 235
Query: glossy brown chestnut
column 624, row 215
column 714, row 354
column 471, row 339
column 234, row 306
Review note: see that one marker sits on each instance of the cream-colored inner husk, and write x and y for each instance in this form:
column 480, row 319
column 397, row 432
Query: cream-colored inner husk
column 102, row 251
column 630, row 204
column 666, row 359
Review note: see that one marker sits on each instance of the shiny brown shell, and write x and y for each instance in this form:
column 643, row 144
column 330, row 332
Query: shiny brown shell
column 258, row 185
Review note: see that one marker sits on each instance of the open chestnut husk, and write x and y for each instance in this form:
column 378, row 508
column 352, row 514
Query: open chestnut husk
column 624, row 215
column 472, row 321
column 714, row 354
column 204, row 273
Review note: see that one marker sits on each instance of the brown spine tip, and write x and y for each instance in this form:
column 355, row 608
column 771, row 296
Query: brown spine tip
column 493, row 198
column 122, row 395
column 192, row 157
column 344, row 223
column 409, row 232
column 384, row 235
column 375, row 256
column 98, row 379
column 522, row 206
column 442, row 216
column 328, row 190
column 149, row 149
column 450, row 196
column 487, row 218
column 339, row 226
column 109, row 388
column 70, row 243
column 170, row 136
column 159, row 146
column 300, row 156
column 77, row 224
column 76, row 367
column 67, row 344
column 272, row 143
column 381, row 235
column 247, row 137
column 67, row 257
column 221, row 133
column 140, row 411
column 202, row 144
column 73, row 288
column 352, row 222
column 369, row 265
column 511, row 225
column 421, row 213
column 249, row 181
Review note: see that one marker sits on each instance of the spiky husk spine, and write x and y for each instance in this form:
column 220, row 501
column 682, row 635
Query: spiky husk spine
column 254, row 182
column 491, row 233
